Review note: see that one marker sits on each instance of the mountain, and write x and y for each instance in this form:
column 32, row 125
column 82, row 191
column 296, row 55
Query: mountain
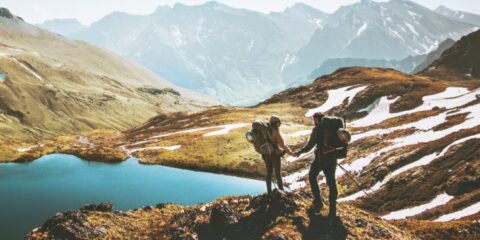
column 461, row 61
column 331, row 65
column 50, row 85
column 233, row 54
column 434, row 55
column 242, row 56
column 375, row 30
column 64, row 27
column 459, row 15
column 410, row 64
column 414, row 153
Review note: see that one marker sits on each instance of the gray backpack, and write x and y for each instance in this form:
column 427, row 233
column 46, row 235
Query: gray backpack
column 259, row 136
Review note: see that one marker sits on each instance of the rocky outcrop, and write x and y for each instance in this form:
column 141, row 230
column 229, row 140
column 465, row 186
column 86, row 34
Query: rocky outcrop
column 5, row 13
column 461, row 61
column 279, row 215
column 73, row 224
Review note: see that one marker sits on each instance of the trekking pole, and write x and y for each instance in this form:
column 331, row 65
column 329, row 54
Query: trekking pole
column 353, row 179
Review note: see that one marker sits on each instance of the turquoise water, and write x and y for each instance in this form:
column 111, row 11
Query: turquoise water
column 3, row 76
column 32, row 192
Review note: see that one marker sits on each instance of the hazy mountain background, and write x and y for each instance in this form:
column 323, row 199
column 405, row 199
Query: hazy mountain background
column 242, row 56
column 51, row 85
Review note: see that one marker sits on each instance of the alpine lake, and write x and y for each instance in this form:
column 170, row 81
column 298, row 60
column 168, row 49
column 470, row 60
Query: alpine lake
column 32, row 192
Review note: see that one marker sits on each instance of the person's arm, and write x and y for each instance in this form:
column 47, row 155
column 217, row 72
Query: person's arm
column 311, row 143
column 281, row 143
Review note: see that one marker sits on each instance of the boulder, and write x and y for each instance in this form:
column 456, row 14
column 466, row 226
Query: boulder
column 102, row 207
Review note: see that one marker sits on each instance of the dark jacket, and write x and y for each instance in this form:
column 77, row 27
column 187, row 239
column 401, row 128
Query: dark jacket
column 314, row 141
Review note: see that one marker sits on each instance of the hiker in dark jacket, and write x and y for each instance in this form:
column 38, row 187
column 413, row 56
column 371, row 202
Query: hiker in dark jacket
column 273, row 162
column 327, row 163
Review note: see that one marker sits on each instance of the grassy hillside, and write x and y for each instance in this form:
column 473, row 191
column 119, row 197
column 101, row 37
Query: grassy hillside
column 51, row 86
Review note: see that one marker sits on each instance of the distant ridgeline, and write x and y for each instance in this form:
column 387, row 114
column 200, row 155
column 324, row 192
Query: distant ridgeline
column 241, row 56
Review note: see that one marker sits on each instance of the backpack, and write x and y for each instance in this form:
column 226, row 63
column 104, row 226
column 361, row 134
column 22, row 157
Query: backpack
column 333, row 132
column 259, row 136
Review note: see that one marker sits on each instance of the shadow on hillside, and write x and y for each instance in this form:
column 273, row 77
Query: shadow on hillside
column 322, row 227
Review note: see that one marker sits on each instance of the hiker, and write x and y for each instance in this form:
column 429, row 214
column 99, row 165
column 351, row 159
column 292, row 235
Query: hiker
column 273, row 162
column 268, row 141
column 326, row 162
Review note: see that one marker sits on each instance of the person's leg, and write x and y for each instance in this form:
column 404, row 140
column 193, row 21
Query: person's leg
column 268, row 165
column 312, row 177
column 277, row 166
column 329, row 171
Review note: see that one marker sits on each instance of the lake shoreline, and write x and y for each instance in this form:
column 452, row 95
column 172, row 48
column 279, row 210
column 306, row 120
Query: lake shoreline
column 60, row 182
column 118, row 155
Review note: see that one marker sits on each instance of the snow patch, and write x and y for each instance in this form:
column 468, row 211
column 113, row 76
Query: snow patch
column 408, row 212
column 300, row 133
column 429, row 158
column 412, row 14
column 335, row 98
column 412, row 28
column 169, row 148
column 250, row 46
column 450, row 98
column 29, row 148
column 293, row 180
column 177, row 36
column 362, row 29
column 473, row 209
column 288, row 60
column 27, row 69
column 226, row 129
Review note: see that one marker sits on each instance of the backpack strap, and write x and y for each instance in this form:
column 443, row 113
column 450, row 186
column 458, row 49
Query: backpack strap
column 269, row 135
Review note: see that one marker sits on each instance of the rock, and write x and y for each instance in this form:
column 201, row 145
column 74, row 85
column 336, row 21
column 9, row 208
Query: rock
column 6, row 13
column 223, row 215
column 278, row 202
column 161, row 205
column 148, row 208
column 465, row 184
column 102, row 207
column 381, row 232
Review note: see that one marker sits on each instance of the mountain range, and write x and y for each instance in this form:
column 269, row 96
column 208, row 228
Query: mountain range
column 51, row 85
column 376, row 30
column 242, row 56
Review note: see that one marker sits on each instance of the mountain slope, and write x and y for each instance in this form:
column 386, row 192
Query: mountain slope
column 434, row 55
column 459, row 15
column 414, row 152
column 50, row 85
column 461, row 61
column 233, row 54
column 331, row 65
column 375, row 30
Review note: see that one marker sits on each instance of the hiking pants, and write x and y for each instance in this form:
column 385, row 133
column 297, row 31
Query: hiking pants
column 328, row 166
column 273, row 163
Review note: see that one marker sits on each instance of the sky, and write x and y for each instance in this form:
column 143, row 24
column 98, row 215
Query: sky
column 88, row 11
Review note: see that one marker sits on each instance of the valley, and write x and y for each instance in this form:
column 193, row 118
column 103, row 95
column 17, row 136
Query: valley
column 83, row 115
column 426, row 127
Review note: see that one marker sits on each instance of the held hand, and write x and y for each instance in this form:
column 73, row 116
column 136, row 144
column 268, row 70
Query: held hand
column 290, row 153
